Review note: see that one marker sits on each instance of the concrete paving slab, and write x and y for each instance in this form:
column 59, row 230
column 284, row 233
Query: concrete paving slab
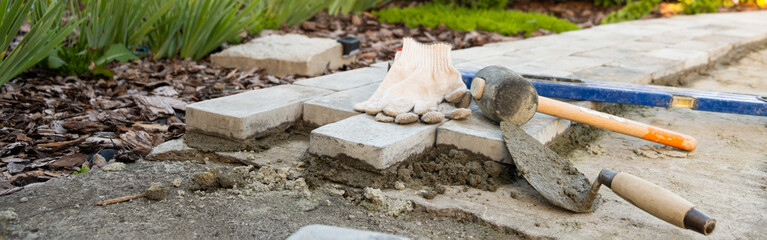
column 614, row 74
column 250, row 114
column 506, row 61
column 570, row 63
column 283, row 55
column 324, row 232
column 677, row 35
column 547, row 52
column 691, row 58
column 336, row 106
column 614, row 52
column 535, row 70
column 657, row 67
column 479, row 135
column 345, row 80
column 715, row 50
column 376, row 144
column 474, row 53
column 720, row 38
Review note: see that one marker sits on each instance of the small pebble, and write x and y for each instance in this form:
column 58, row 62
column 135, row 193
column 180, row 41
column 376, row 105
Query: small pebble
column 114, row 167
column 177, row 182
column 399, row 185
column 156, row 191
column 24, row 199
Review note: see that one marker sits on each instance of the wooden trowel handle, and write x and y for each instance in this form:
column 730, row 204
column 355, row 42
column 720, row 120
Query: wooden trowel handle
column 614, row 123
column 657, row 201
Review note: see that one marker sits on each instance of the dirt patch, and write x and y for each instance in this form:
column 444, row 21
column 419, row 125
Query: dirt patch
column 261, row 142
column 441, row 165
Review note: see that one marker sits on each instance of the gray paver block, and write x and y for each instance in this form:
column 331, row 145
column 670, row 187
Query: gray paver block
column 481, row 136
column 570, row 63
column 336, row 106
column 380, row 145
column 546, row 52
column 657, row 67
column 613, row 74
column 474, row 53
column 249, row 114
column 506, row 61
column 283, row 55
column 535, row 70
column 323, row 232
column 715, row 50
column 719, row 38
column 676, row 36
column 346, row 80
column 691, row 58
column 747, row 35
column 614, row 52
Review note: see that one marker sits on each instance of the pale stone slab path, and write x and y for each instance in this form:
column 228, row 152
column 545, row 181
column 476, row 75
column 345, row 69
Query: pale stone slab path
column 648, row 51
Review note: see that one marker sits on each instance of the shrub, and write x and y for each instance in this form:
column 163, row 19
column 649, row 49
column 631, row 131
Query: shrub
column 465, row 19
column 124, row 22
column 607, row 3
column 633, row 10
column 194, row 28
column 353, row 6
column 700, row 6
column 45, row 34
column 479, row 4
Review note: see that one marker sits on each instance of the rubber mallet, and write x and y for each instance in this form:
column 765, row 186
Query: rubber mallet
column 504, row 95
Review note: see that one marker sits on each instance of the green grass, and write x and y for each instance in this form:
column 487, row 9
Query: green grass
column 466, row 19
column 633, row 10
column 45, row 34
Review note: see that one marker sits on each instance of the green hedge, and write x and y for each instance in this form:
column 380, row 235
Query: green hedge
column 466, row 19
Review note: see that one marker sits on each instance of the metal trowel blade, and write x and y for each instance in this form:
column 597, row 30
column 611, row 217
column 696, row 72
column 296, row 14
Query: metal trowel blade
column 551, row 175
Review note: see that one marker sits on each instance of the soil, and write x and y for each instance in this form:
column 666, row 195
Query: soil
column 442, row 165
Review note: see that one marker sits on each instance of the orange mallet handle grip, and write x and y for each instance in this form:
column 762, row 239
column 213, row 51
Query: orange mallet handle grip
column 614, row 123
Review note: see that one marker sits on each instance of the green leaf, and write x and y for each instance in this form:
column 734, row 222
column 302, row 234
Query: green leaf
column 54, row 61
column 116, row 52
column 106, row 72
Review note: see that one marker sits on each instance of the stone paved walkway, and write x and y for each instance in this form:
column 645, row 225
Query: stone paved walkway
column 657, row 51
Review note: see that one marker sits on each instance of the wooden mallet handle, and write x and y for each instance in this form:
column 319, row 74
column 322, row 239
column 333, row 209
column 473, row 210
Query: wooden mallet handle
column 657, row 201
column 614, row 123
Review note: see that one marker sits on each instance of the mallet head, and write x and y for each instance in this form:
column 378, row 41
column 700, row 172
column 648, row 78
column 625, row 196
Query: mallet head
column 504, row 96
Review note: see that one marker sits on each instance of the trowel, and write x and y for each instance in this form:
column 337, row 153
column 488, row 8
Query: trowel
column 564, row 186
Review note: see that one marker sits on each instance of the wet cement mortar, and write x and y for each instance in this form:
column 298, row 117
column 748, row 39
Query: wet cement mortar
column 260, row 142
column 442, row 165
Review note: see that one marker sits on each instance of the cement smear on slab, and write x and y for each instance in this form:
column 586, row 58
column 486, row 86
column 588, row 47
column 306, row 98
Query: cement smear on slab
column 211, row 143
